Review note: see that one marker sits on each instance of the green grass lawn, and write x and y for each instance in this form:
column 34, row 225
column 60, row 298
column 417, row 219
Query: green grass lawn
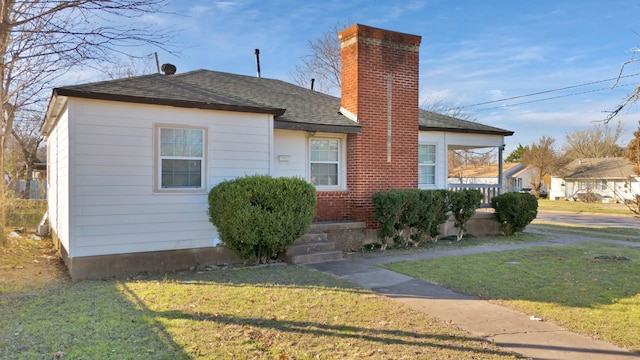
column 274, row 312
column 563, row 284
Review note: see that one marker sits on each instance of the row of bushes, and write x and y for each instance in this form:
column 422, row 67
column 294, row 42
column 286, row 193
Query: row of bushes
column 409, row 216
column 260, row 216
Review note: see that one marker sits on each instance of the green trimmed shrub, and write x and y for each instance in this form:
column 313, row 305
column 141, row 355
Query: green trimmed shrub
column 514, row 211
column 389, row 210
column 463, row 205
column 407, row 216
column 259, row 216
column 438, row 201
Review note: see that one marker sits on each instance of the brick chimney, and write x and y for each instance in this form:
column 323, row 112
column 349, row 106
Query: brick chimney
column 380, row 91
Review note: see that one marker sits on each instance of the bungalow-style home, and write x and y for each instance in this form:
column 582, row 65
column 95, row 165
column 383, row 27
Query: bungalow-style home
column 131, row 160
column 487, row 174
column 596, row 179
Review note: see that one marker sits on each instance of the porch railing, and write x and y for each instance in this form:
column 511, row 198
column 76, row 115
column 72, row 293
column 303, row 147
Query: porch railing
column 489, row 191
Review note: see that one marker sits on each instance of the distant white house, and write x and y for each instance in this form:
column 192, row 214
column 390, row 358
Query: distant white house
column 515, row 176
column 596, row 179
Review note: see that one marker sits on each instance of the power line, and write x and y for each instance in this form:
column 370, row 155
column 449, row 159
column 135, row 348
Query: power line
column 545, row 92
column 550, row 98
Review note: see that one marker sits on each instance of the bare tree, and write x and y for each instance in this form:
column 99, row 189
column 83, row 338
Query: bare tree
column 545, row 159
column 322, row 63
column 42, row 40
column 597, row 142
column 632, row 97
column 632, row 152
column 28, row 139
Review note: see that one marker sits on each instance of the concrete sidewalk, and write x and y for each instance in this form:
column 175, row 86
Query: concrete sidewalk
column 509, row 329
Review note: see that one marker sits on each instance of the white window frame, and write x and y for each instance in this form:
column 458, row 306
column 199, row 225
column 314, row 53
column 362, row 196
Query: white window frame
column 341, row 163
column 434, row 165
column 159, row 157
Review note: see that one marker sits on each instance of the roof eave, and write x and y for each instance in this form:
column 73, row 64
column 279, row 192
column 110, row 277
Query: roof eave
column 56, row 104
column 466, row 131
column 168, row 102
column 342, row 129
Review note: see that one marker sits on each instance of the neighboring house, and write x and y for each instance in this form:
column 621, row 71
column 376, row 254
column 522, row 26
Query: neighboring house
column 487, row 174
column 131, row 160
column 596, row 179
column 515, row 177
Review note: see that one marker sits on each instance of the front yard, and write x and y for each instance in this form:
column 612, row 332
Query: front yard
column 273, row 312
column 591, row 288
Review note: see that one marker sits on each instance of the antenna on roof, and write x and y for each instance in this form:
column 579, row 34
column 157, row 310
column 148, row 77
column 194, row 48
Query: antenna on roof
column 257, row 52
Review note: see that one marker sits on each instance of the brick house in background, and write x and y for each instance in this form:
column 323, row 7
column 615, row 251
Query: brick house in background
column 131, row 160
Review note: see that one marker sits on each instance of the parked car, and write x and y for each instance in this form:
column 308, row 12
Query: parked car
column 543, row 193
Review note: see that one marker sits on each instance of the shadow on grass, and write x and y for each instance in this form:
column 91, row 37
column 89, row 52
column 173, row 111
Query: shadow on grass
column 87, row 319
column 316, row 329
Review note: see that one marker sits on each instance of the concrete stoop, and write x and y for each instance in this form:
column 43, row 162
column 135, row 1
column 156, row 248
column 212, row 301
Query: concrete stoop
column 313, row 247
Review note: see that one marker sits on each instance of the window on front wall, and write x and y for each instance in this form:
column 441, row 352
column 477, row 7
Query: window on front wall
column 426, row 164
column 324, row 159
column 181, row 158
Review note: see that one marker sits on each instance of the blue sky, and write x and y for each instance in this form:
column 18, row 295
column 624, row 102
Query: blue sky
column 471, row 52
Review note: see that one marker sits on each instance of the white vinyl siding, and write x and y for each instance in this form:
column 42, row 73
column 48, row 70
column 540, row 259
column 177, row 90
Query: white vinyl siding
column 58, row 180
column 115, row 208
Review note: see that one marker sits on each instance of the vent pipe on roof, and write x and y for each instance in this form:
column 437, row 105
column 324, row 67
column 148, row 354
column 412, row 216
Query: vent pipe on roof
column 312, row 81
column 168, row 69
column 257, row 52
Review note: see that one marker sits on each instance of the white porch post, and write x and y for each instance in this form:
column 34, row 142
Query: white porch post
column 500, row 150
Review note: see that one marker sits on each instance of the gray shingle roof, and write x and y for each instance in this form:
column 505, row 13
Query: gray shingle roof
column 599, row 168
column 293, row 107
column 430, row 121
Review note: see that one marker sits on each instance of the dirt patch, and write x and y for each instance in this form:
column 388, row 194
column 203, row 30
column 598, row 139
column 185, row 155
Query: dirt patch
column 27, row 265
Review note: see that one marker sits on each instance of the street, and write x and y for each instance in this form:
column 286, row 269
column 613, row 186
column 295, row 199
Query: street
column 589, row 219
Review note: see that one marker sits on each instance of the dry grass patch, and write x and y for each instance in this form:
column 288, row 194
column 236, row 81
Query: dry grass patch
column 274, row 312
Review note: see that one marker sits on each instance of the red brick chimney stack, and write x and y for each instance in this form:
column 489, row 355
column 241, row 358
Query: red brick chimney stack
column 380, row 91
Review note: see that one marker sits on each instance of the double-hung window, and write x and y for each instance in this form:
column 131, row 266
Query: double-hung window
column 324, row 159
column 181, row 159
column 426, row 164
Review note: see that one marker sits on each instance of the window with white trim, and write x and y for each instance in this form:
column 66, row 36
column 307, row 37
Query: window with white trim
column 426, row 164
column 324, row 160
column 181, row 158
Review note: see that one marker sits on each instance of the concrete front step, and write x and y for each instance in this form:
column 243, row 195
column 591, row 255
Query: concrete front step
column 299, row 248
column 312, row 247
column 312, row 237
column 313, row 257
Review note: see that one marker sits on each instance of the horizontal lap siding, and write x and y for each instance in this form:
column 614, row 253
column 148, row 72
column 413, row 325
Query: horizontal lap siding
column 58, row 180
column 115, row 207
column 291, row 144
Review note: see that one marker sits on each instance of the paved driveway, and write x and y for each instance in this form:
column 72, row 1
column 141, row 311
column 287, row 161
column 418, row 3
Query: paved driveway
column 590, row 219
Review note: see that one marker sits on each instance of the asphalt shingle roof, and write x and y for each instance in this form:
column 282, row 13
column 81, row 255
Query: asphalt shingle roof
column 293, row 107
column 599, row 168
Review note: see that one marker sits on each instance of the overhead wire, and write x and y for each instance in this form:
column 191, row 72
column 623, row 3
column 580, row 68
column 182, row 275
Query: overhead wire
column 544, row 92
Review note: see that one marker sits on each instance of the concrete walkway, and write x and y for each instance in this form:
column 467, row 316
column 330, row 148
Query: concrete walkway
column 509, row 329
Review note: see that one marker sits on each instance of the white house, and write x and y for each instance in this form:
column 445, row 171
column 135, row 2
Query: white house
column 596, row 179
column 131, row 161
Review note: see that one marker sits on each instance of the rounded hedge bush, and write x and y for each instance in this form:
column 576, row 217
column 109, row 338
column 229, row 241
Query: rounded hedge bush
column 514, row 211
column 259, row 216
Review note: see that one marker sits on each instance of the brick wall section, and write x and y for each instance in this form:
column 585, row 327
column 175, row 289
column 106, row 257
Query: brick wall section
column 370, row 57
column 332, row 205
